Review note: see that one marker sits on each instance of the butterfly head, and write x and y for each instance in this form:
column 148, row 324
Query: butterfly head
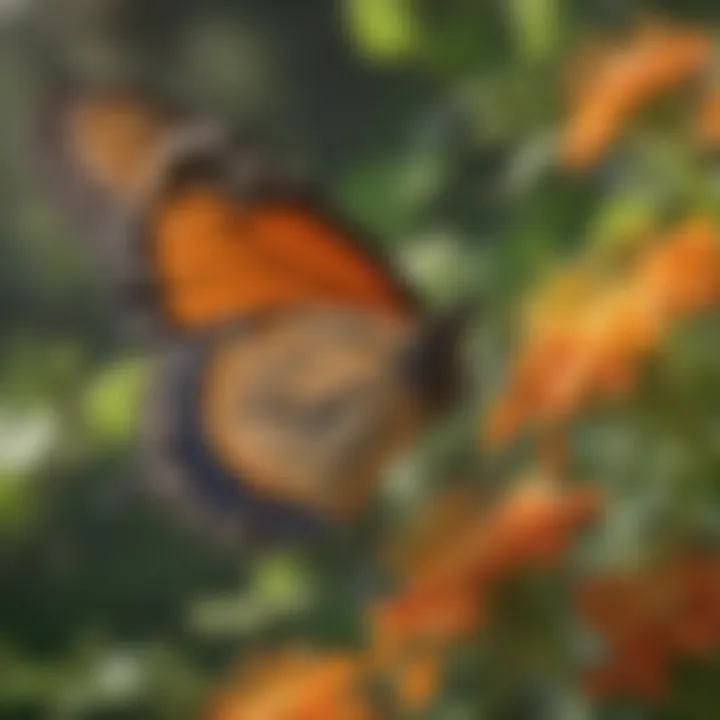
column 433, row 361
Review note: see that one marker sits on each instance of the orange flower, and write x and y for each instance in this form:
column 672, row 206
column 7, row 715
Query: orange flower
column 409, row 636
column 398, row 625
column 697, row 629
column 418, row 680
column 537, row 521
column 650, row 617
column 622, row 79
column 595, row 348
column 573, row 346
column 682, row 275
column 450, row 575
column 534, row 523
column 297, row 685
column 707, row 128
column 445, row 590
column 454, row 509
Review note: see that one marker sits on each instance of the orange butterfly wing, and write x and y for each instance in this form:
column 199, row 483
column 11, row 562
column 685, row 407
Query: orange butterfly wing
column 214, row 259
column 104, row 139
column 113, row 140
column 212, row 247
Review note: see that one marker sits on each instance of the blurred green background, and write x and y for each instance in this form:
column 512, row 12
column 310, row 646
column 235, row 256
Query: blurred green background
column 433, row 123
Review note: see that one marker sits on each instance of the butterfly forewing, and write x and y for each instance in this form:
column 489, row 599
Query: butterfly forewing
column 216, row 258
column 197, row 226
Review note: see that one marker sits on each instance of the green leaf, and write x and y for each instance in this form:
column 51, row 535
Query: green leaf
column 279, row 580
column 623, row 221
column 536, row 26
column 18, row 505
column 112, row 400
column 383, row 29
column 373, row 192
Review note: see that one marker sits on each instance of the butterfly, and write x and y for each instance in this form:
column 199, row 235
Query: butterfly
column 294, row 360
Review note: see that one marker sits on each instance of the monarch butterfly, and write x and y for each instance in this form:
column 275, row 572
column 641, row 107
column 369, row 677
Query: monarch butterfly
column 295, row 360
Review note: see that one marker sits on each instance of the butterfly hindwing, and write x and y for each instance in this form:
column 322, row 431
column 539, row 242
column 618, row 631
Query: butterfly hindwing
column 281, row 423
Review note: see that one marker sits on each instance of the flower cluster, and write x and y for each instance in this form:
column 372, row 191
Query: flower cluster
column 613, row 82
column 447, row 583
column 587, row 338
column 648, row 619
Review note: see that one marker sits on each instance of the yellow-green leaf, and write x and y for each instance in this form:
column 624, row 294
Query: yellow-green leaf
column 112, row 400
column 383, row 29
column 536, row 26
